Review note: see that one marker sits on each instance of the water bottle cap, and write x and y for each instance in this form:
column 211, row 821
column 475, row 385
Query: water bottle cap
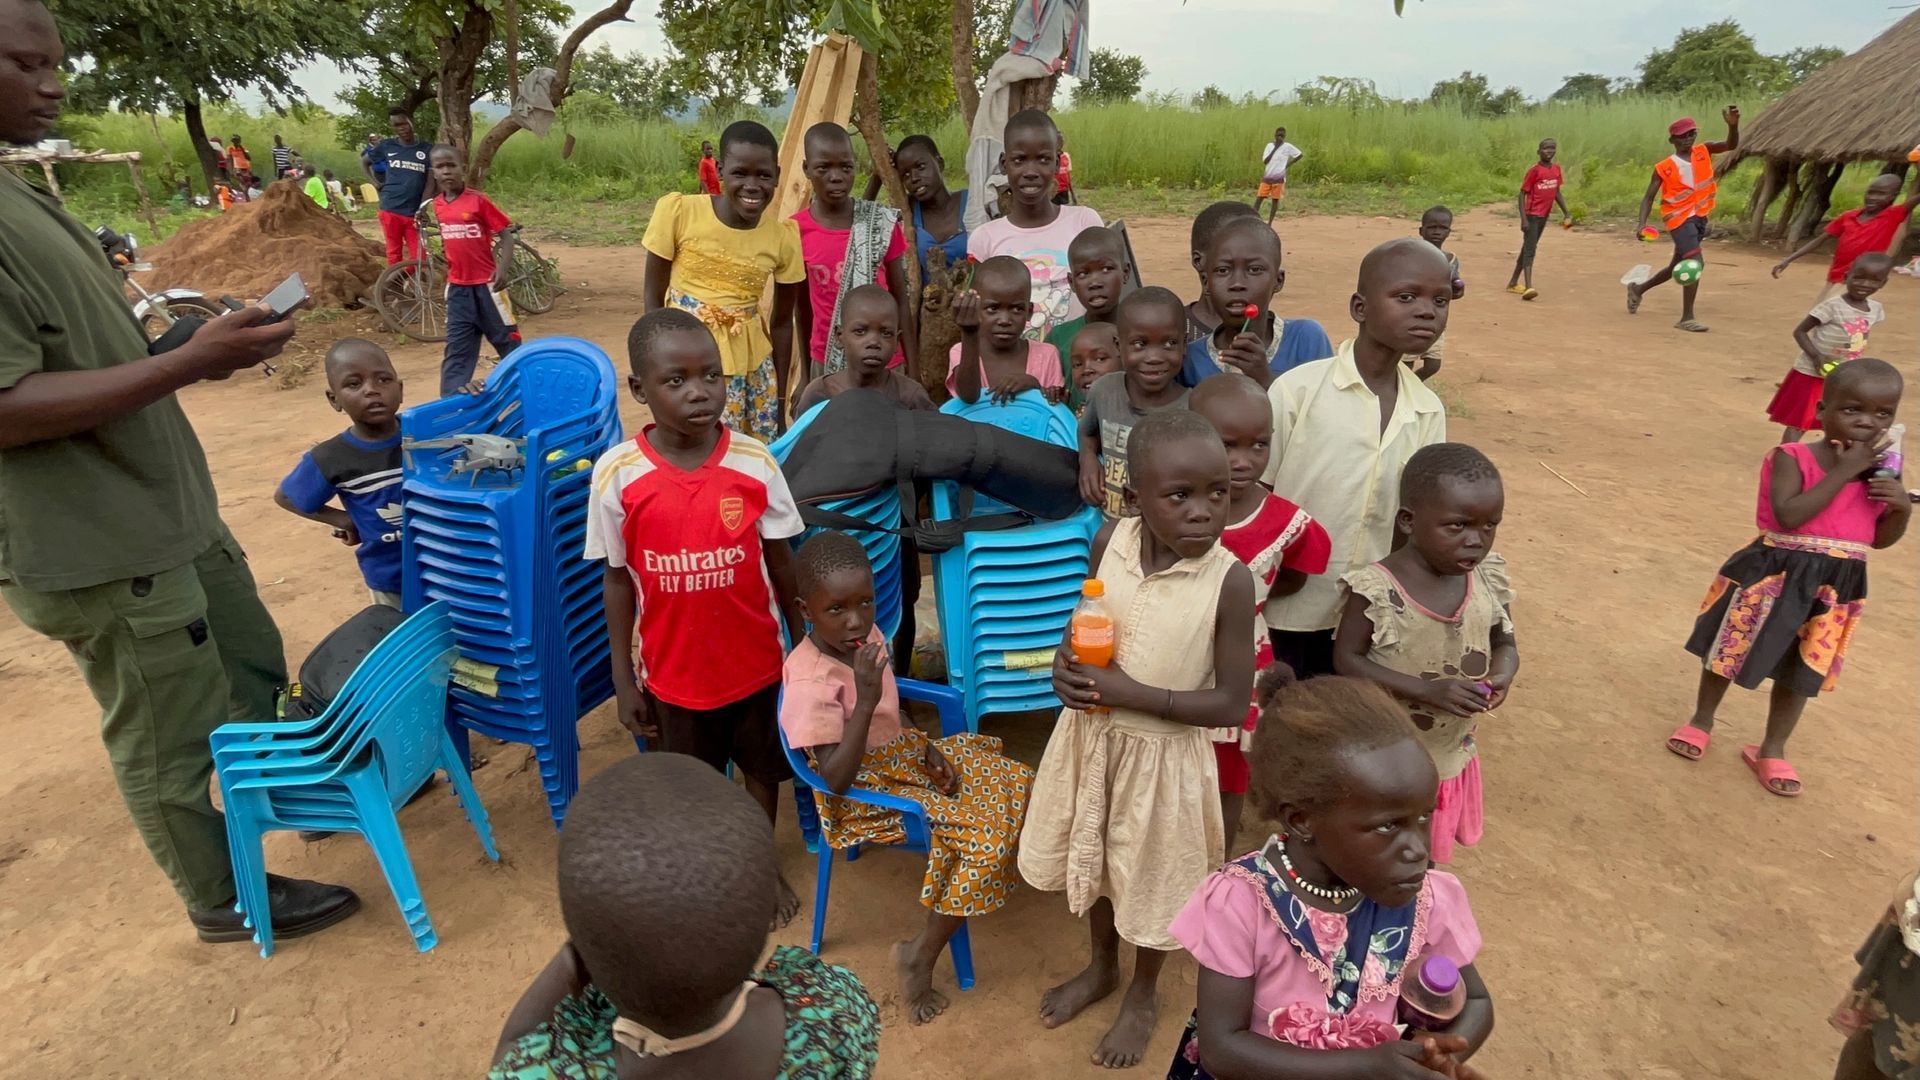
column 1093, row 586
column 1439, row 974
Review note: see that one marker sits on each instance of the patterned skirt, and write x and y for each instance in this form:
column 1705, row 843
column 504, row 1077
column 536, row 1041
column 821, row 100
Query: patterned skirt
column 1885, row 999
column 1783, row 608
column 753, row 399
column 970, row 865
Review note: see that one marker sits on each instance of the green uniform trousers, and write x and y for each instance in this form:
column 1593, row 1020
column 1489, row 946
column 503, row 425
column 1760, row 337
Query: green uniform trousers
column 169, row 658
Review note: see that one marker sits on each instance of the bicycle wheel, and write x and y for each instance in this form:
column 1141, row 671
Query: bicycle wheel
column 154, row 323
column 411, row 297
column 533, row 283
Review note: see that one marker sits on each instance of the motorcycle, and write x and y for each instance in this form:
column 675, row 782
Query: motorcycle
column 155, row 312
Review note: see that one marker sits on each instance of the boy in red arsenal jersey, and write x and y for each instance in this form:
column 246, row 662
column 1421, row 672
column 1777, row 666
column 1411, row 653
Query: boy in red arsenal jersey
column 692, row 520
column 476, row 271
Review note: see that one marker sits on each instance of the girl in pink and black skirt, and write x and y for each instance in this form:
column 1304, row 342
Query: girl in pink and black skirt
column 1785, row 606
column 1834, row 332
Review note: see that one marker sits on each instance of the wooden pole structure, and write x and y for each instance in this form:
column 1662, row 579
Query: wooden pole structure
column 1763, row 197
column 140, row 190
column 53, row 185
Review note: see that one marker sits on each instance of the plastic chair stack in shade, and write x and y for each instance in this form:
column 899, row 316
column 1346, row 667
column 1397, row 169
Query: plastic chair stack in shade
column 881, row 508
column 913, row 819
column 503, row 548
column 1004, row 596
column 350, row 769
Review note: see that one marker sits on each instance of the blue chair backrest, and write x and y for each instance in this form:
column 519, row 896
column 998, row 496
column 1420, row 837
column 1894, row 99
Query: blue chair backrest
column 1027, row 414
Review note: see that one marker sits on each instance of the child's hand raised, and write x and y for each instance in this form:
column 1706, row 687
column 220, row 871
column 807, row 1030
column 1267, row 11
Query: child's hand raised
column 1854, row 458
column 1455, row 696
column 966, row 311
column 1248, row 355
column 869, row 671
column 1012, row 386
column 940, row 772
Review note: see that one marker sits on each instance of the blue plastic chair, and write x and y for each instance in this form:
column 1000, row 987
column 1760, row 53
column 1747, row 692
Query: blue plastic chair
column 351, row 769
column 913, row 818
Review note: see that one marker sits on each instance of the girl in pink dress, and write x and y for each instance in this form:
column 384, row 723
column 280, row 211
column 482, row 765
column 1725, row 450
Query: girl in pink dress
column 1304, row 943
column 1785, row 606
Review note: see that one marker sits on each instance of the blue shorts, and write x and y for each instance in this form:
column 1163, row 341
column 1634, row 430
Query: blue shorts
column 1689, row 238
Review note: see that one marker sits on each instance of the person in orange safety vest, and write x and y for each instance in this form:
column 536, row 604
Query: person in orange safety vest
column 1686, row 187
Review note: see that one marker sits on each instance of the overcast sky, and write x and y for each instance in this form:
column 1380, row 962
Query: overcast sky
column 1261, row 46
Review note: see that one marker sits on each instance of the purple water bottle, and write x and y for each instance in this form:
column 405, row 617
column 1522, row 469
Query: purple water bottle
column 1431, row 998
column 1890, row 460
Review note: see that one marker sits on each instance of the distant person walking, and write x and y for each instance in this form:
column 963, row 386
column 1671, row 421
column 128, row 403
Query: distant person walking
column 1274, row 159
column 709, row 170
column 402, row 178
column 1686, row 187
column 282, row 157
column 1541, row 190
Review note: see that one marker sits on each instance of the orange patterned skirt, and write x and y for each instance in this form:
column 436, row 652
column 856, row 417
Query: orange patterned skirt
column 1783, row 608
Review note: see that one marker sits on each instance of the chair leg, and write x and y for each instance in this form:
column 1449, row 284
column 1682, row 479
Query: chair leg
column 822, row 883
column 250, row 875
column 961, row 946
column 376, row 815
column 809, row 815
column 463, row 790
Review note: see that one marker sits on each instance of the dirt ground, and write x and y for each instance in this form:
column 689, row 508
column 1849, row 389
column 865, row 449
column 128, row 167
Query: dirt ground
column 1644, row 917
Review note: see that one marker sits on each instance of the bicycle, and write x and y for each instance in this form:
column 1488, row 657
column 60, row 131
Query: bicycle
column 411, row 296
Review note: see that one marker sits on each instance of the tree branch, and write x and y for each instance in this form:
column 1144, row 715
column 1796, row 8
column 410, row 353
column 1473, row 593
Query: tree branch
column 562, row 75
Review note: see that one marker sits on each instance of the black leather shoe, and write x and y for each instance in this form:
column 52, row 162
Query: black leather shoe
column 299, row 908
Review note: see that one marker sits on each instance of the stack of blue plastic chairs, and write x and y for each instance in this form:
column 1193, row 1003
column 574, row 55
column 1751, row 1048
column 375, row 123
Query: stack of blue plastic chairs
column 880, row 508
column 350, row 769
column 1004, row 596
column 504, row 550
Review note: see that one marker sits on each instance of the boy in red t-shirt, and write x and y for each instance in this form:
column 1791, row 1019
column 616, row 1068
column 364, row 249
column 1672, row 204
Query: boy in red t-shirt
column 477, row 265
column 1868, row 230
column 709, row 170
column 692, row 520
column 1540, row 192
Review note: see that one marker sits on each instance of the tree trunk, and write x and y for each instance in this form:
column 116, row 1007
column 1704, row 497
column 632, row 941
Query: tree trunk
column 197, row 133
column 1035, row 94
column 965, row 90
column 866, row 119
column 1774, row 172
column 1795, row 191
column 482, row 159
column 453, row 84
column 1814, row 206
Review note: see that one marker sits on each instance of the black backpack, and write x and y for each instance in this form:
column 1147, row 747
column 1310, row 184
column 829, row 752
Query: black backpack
column 326, row 668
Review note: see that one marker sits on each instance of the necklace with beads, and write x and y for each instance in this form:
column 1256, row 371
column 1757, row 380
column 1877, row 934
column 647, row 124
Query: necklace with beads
column 1278, row 845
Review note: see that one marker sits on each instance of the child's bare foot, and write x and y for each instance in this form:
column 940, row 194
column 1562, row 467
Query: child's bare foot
column 1064, row 1002
column 788, row 906
column 922, row 1001
column 1126, row 1040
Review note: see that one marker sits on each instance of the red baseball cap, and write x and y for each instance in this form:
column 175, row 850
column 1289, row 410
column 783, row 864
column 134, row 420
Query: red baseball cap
column 1681, row 127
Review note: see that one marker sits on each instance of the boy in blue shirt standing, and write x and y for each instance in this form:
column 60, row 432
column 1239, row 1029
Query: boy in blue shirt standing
column 360, row 466
column 398, row 166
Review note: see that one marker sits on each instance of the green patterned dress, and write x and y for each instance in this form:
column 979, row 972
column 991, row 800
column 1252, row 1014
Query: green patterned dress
column 833, row 1028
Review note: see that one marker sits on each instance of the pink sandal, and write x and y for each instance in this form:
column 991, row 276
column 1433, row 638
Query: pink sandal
column 1689, row 736
column 1772, row 771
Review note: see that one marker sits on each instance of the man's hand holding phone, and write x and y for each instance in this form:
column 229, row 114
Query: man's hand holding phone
column 233, row 342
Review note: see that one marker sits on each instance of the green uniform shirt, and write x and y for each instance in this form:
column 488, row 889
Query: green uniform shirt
column 133, row 496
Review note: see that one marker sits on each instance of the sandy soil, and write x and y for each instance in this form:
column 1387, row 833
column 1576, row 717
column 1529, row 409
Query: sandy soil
column 1643, row 917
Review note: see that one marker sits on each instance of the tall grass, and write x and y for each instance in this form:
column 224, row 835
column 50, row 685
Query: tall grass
column 1397, row 158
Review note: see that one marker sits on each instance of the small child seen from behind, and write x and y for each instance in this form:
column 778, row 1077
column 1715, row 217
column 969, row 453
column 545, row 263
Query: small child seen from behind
column 842, row 707
column 1432, row 622
column 869, row 337
column 1305, row 945
column 1152, row 340
column 1097, row 259
column 992, row 355
column 1436, row 225
column 666, row 882
column 360, row 467
column 1242, row 274
column 1834, row 332
column 478, row 240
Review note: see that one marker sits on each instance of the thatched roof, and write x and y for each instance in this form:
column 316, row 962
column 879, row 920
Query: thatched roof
column 1862, row 107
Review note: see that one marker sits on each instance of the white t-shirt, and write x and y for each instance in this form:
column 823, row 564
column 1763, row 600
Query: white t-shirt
column 1276, row 161
column 1685, row 167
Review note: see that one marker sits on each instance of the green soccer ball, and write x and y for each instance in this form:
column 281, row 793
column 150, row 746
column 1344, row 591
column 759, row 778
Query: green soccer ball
column 1688, row 271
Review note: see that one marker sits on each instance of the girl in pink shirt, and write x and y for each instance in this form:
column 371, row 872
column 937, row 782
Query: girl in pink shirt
column 1303, row 945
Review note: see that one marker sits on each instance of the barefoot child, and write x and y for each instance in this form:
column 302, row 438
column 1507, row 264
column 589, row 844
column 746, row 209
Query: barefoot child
column 1280, row 544
column 1036, row 230
column 1150, row 349
column 1304, row 945
column 1097, row 259
column 1342, row 430
column 1785, row 606
column 999, row 360
column 846, row 243
column 869, row 335
column 1435, row 226
column 360, row 466
column 1686, row 187
column 478, row 240
column 1095, row 352
column 714, row 255
column 1433, row 623
column 1543, row 188
column 1125, row 817
column 666, row 881
column 1868, row 230
column 1201, row 318
column 1834, row 332
column 842, row 706
column 1242, row 275
column 690, row 518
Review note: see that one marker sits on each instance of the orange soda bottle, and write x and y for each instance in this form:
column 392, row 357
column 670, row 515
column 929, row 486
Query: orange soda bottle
column 1091, row 635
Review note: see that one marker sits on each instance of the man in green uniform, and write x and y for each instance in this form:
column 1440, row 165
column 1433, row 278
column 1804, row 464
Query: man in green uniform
column 110, row 535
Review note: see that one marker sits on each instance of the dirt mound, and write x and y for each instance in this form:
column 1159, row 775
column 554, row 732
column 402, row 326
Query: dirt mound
column 251, row 248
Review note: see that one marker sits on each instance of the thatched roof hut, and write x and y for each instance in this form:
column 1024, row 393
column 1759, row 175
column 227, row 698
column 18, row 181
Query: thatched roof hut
column 1864, row 107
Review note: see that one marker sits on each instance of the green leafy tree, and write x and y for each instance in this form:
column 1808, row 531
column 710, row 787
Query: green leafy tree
column 153, row 55
column 1111, row 76
column 1472, row 94
column 637, row 85
column 1804, row 61
column 1345, row 91
column 1212, row 97
column 1585, row 86
column 1718, row 56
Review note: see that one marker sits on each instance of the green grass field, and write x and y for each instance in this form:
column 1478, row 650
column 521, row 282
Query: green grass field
column 1133, row 159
